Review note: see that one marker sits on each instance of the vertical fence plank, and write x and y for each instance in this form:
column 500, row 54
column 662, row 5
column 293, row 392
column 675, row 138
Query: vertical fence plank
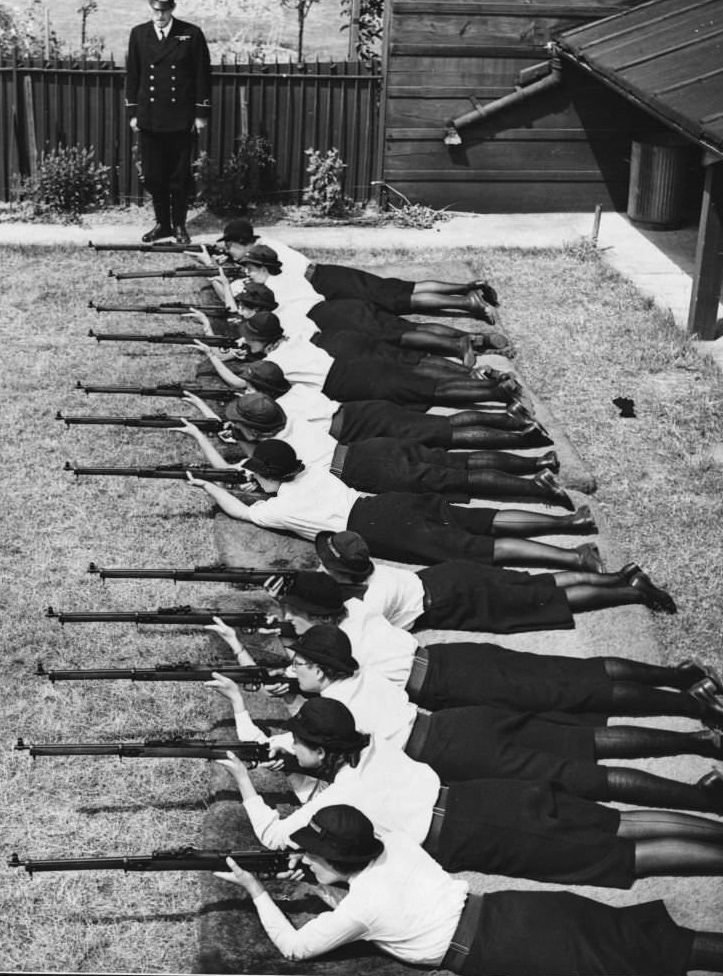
column 45, row 104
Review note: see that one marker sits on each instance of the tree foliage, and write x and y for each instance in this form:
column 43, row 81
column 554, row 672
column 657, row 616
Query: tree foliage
column 22, row 29
column 371, row 20
column 302, row 8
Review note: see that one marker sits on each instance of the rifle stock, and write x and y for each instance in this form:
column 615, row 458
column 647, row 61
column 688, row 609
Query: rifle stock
column 163, row 390
column 164, row 338
column 178, row 747
column 247, row 621
column 248, row 578
column 160, row 421
column 262, row 862
column 251, row 677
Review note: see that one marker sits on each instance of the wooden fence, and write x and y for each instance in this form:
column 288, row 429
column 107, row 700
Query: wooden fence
column 44, row 104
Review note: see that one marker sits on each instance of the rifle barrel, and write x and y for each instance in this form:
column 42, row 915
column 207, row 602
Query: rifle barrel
column 250, row 677
column 248, row 620
column 213, row 249
column 180, row 859
column 164, row 338
column 164, row 308
column 175, row 273
column 251, row 753
column 202, row 574
column 150, row 421
column 164, row 390
column 176, row 472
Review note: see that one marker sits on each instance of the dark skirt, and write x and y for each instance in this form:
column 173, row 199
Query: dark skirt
column 377, row 379
column 347, row 344
column 466, row 596
column 352, row 313
column 487, row 674
column 363, row 419
column 530, row 830
column 336, row 281
column 480, row 742
column 382, row 464
column 550, row 933
column 422, row 529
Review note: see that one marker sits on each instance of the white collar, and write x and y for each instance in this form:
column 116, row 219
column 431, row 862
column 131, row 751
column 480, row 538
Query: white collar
column 166, row 29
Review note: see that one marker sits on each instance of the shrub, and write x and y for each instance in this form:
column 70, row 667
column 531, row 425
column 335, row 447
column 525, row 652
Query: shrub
column 325, row 193
column 68, row 182
column 248, row 176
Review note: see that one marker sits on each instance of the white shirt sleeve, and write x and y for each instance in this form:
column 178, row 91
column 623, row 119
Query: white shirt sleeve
column 322, row 934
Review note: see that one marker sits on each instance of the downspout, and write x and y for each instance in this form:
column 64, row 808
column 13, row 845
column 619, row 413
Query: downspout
column 520, row 94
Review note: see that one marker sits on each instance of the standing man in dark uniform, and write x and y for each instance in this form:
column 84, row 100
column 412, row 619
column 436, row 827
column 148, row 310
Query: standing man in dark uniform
column 168, row 91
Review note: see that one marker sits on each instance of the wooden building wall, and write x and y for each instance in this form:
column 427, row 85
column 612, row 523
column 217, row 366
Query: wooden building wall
column 566, row 149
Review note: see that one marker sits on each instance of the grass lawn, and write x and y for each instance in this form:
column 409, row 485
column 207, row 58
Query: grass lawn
column 584, row 338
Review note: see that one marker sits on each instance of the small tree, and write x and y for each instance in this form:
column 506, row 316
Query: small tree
column 302, row 8
column 325, row 192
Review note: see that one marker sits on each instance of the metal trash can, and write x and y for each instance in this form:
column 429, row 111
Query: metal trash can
column 657, row 190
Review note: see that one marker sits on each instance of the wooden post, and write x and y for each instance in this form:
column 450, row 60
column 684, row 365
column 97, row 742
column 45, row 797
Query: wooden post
column 354, row 29
column 30, row 126
column 708, row 274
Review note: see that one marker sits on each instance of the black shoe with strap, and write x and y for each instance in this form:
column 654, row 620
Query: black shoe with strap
column 157, row 233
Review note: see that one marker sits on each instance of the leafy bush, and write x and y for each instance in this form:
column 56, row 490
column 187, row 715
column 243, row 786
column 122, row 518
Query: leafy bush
column 68, row 182
column 325, row 192
column 371, row 28
column 248, row 176
column 24, row 30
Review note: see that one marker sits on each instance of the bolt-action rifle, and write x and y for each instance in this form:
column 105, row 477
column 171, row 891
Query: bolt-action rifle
column 177, row 472
column 262, row 862
column 189, row 271
column 164, row 390
column 247, row 621
column 213, row 249
column 164, row 308
column 176, row 747
column 249, row 579
column 161, row 421
column 251, row 677
column 165, row 338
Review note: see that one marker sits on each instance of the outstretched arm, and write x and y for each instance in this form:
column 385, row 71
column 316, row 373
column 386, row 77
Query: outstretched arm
column 230, row 378
column 228, row 503
column 209, row 451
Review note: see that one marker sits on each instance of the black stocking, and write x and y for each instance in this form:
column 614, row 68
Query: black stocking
column 524, row 552
column 488, row 438
column 454, row 393
column 502, row 461
column 515, row 522
column 584, row 597
column 622, row 669
column 677, row 858
column 492, row 417
column 644, row 824
column 634, row 742
column 632, row 698
column 444, row 345
column 706, row 952
column 641, row 788
column 499, row 484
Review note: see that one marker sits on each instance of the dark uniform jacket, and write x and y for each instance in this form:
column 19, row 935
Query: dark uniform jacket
column 168, row 83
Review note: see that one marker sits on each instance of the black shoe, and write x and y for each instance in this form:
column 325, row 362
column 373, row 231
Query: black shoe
column 509, row 388
column 492, row 342
column 157, row 233
column 712, row 711
column 486, row 291
column 554, row 491
column 583, row 522
column 590, row 558
column 712, row 784
column 181, row 234
column 655, row 598
column 628, row 571
column 549, row 460
column 479, row 308
column 692, row 670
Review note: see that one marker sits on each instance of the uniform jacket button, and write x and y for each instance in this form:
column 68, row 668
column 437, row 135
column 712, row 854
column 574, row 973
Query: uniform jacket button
column 153, row 99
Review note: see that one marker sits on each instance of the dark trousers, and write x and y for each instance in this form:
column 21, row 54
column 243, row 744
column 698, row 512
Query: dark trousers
column 166, row 166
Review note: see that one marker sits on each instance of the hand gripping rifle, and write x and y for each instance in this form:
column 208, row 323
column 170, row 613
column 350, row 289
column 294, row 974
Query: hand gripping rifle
column 161, row 421
column 251, row 677
column 176, row 747
column 164, row 308
column 248, row 579
column 213, row 249
column 164, row 390
column 262, row 862
column 247, row 621
column 165, row 338
column 175, row 472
